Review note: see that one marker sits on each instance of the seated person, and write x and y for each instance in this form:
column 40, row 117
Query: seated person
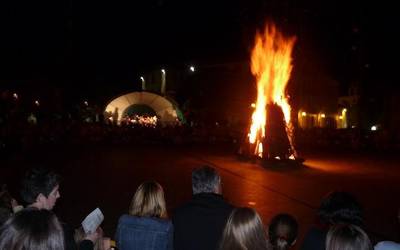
column 347, row 237
column 244, row 230
column 282, row 232
column 32, row 229
column 146, row 227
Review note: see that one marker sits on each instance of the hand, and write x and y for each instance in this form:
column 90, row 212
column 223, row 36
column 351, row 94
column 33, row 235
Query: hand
column 95, row 235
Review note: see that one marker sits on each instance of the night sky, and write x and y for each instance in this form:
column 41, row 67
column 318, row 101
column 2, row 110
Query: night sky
column 88, row 43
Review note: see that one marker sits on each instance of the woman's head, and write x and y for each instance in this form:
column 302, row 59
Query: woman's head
column 149, row 201
column 283, row 231
column 32, row 229
column 80, row 236
column 347, row 237
column 244, row 230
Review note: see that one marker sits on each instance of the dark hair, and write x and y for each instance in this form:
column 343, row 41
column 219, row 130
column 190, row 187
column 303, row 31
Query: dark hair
column 282, row 231
column 244, row 231
column 205, row 180
column 32, row 229
column 347, row 237
column 5, row 205
column 38, row 181
column 340, row 207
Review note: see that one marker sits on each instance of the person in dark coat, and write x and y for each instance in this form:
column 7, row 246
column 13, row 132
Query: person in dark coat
column 199, row 223
column 336, row 208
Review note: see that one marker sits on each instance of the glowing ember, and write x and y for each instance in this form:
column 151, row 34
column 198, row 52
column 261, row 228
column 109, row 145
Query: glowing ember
column 271, row 65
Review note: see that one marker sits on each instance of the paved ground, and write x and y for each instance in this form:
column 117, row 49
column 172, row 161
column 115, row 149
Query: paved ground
column 108, row 176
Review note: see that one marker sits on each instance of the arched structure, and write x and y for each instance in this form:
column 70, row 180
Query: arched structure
column 166, row 111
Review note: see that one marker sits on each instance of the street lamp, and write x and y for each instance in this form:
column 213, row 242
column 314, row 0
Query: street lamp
column 191, row 68
column 143, row 83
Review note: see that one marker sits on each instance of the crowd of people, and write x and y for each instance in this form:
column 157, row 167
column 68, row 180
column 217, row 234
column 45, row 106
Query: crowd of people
column 207, row 221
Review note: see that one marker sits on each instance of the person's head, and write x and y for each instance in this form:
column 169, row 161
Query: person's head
column 347, row 237
column 80, row 235
column 340, row 207
column 40, row 188
column 206, row 180
column 32, row 229
column 282, row 231
column 149, row 201
column 5, row 205
column 244, row 230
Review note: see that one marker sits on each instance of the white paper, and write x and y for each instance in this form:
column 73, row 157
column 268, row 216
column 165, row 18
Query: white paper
column 92, row 221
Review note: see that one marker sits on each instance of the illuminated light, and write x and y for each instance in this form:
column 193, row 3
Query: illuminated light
column 15, row 95
column 253, row 105
column 142, row 78
column 303, row 113
column 344, row 110
column 37, row 103
column 277, row 157
column 191, row 68
column 163, row 71
column 251, row 203
column 374, row 128
column 340, row 117
column 323, row 115
column 292, row 157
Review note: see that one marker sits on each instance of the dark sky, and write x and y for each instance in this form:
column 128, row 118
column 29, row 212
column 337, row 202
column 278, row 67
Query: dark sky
column 91, row 42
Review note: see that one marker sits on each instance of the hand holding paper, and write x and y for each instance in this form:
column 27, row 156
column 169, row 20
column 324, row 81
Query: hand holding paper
column 92, row 221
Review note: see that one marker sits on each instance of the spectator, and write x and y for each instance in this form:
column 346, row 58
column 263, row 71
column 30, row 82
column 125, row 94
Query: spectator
column 347, row 237
column 146, row 227
column 8, row 205
column 199, row 223
column 244, row 231
column 335, row 208
column 101, row 243
column 32, row 229
column 40, row 190
column 282, row 232
column 389, row 245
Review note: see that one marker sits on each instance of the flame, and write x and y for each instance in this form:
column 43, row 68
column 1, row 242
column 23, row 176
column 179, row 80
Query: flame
column 271, row 65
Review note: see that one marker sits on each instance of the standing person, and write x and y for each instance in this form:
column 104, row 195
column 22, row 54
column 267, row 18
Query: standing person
column 39, row 190
column 282, row 232
column 199, row 223
column 146, row 227
column 244, row 231
column 32, row 229
column 347, row 237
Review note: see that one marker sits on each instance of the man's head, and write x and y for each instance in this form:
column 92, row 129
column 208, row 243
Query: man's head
column 206, row 180
column 340, row 207
column 40, row 188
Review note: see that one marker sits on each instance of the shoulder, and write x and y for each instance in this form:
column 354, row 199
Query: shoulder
column 387, row 245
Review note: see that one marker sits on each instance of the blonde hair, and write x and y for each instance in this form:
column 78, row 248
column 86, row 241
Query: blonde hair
column 244, row 231
column 149, row 201
column 79, row 236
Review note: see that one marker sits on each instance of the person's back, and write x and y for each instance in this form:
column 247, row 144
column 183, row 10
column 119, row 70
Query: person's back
column 143, row 233
column 199, row 223
column 146, row 227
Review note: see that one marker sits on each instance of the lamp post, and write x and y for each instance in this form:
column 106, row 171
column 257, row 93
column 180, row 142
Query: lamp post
column 163, row 81
column 143, row 83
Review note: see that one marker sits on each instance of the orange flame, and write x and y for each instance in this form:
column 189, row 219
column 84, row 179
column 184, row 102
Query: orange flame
column 271, row 65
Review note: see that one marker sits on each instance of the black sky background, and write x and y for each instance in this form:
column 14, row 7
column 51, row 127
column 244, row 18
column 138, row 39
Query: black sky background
column 91, row 43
